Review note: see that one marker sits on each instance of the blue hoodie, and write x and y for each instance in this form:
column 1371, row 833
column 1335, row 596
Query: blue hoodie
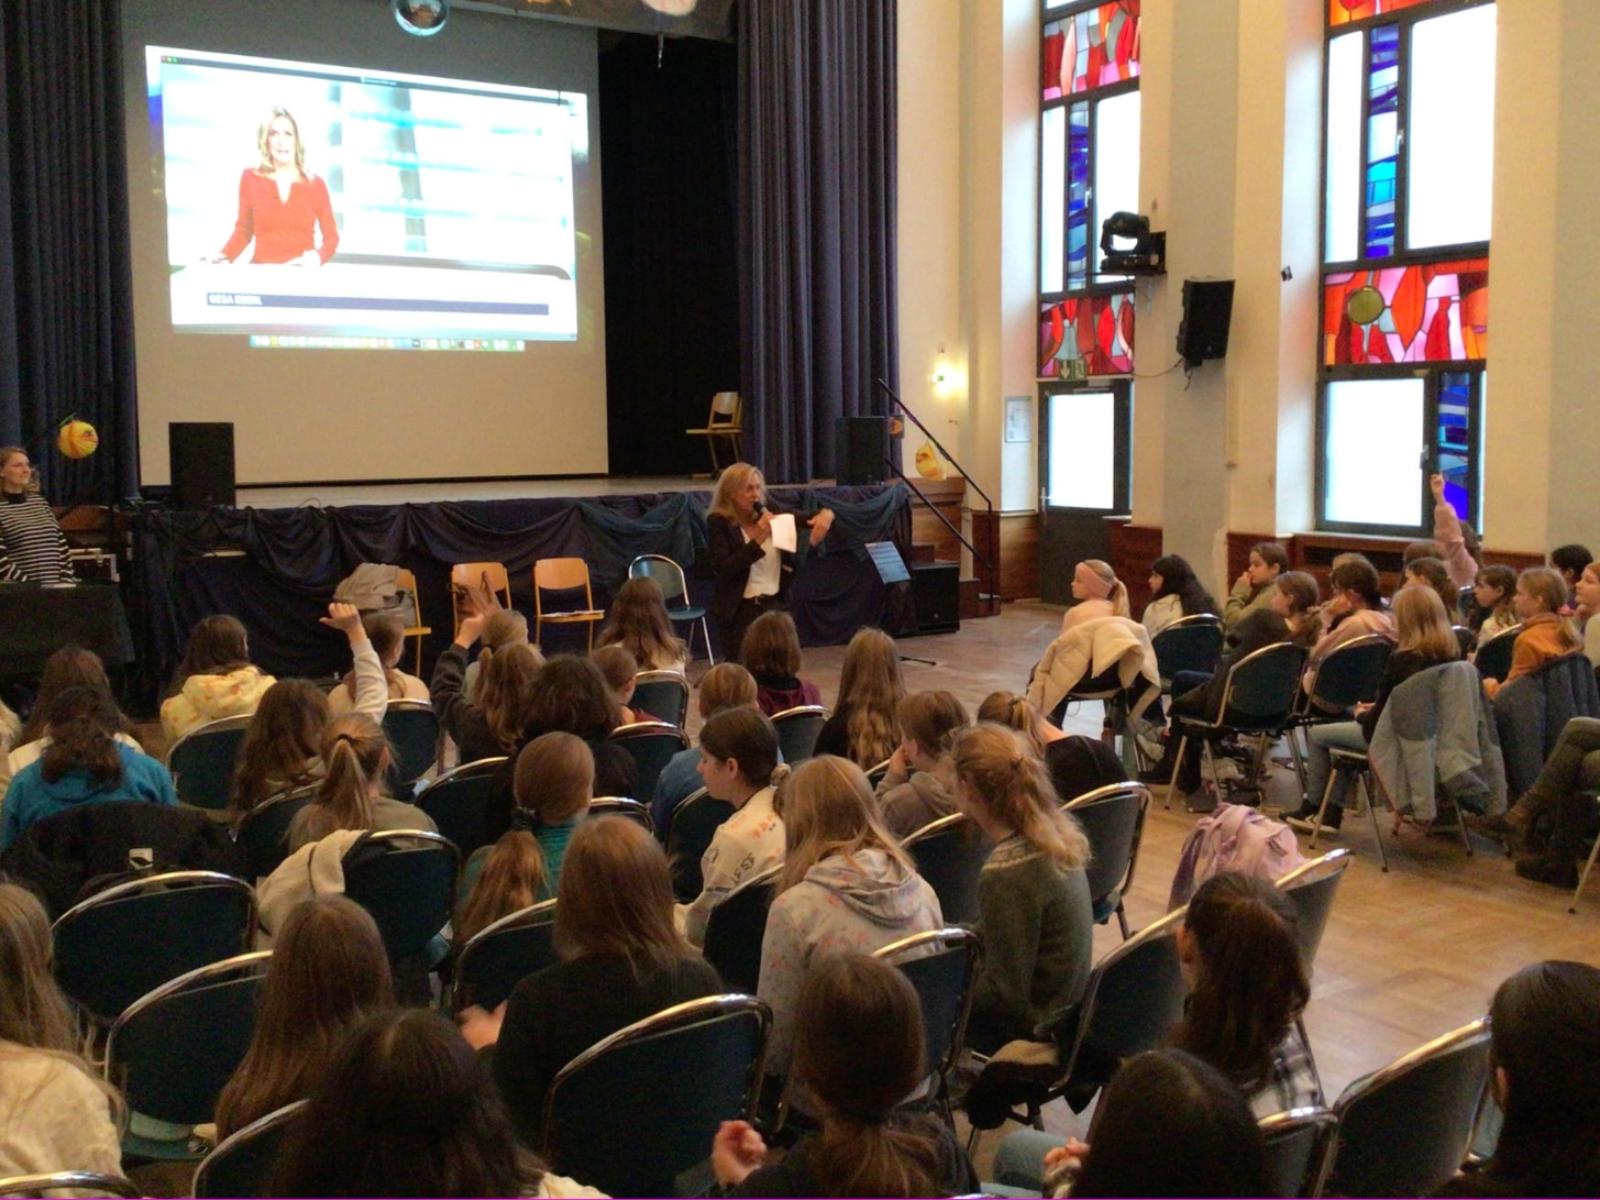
column 32, row 799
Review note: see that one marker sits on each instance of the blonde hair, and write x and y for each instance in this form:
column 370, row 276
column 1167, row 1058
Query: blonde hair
column 1118, row 595
column 267, row 166
column 505, row 690
column 732, row 479
column 1546, row 585
column 726, row 685
column 554, row 777
column 1016, row 713
column 1421, row 623
column 827, row 809
column 505, row 627
column 996, row 767
column 356, row 753
column 870, row 685
column 513, row 876
column 932, row 720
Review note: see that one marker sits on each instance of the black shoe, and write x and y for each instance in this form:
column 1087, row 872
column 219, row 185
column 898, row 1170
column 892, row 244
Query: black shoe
column 1556, row 872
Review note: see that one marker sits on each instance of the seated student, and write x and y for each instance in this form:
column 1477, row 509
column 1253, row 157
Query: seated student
column 621, row 960
column 846, row 886
column 328, row 971
column 386, row 634
column 771, row 653
column 1493, row 595
column 865, row 724
column 56, row 1113
column 739, row 764
column 1355, row 610
column 1544, row 1052
column 1555, row 817
column 1430, row 573
column 84, row 764
column 726, row 685
column 1587, row 592
column 1570, row 561
column 1174, row 593
column 499, row 880
column 357, row 759
column 215, row 679
column 621, row 672
column 1098, row 592
column 639, row 623
column 503, row 627
column 404, row 1089
column 858, row 1053
column 1546, row 634
column 1033, row 896
column 70, row 666
column 489, row 724
column 1295, row 598
column 569, row 695
column 920, row 785
column 1077, row 764
column 1253, row 589
column 1457, row 539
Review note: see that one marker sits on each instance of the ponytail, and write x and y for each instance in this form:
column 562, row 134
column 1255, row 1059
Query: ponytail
column 1013, row 784
column 1014, row 712
column 355, row 753
column 1119, row 600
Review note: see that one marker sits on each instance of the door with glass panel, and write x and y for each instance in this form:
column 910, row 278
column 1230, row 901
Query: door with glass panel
column 1084, row 476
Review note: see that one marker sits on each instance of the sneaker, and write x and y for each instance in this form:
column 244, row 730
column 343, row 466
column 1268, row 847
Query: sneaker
column 1496, row 827
column 1555, row 872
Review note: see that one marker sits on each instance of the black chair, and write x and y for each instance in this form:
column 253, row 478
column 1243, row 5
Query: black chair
column 876, row 773
column 651, row 745
column 675, row 591
column 173, row 1050
column 1192, row 643
column 1493, row 659
column 663, row 694
column 501, row 955
column 263, row 833
column 242, row 1162
column 1347, row 677
column 1405, row 1129
column 406, row 878
column 637, row 1109
column 1112, row 818
column 413, row 731
column 798, row 728
column 130, row 939
column 943, row 966
column 689, row 835
column 1312, row 887
column 60, row 1182
column 1464, row 601
column 1298, row 1143
column 202, row 762
column 735, row 928
column 949, row 853
column 621, row 806
column 465, row 804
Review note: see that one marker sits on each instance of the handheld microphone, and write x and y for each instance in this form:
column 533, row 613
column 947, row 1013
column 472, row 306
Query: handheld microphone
column 757, row 509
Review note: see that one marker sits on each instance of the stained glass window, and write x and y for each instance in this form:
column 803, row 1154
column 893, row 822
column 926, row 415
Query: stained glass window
column 1086, row 335
column 1342, row 12
column 1383, row 138
column 1078, row 195
column 1428, row 312
column 1090, row 49
column 1455, row 442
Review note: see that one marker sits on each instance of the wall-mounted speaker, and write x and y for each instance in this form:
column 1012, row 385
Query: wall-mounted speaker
column 201, row 454
column 1207, row 313
column 861, row 450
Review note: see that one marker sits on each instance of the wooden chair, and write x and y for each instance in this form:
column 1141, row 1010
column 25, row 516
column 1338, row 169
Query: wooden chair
column 406, row 581
column 725, row 422
column 473, row 575
column 563, row 575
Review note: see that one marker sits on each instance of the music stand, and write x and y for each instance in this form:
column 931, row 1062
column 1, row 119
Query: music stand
column 892, row 570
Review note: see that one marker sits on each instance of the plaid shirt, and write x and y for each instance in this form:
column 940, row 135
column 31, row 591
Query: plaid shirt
column 1293, row 1083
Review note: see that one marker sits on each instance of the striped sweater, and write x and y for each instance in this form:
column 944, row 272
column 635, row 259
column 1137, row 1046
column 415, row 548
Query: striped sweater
column 32, row 548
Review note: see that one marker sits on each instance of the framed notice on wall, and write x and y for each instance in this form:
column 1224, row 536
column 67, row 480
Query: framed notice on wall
column 1019, row 418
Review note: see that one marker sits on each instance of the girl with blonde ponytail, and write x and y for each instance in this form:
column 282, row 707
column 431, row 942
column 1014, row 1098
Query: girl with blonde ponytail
column 1098, row 592
column 357, row 757
column 1077, row 764
column 1033, row 896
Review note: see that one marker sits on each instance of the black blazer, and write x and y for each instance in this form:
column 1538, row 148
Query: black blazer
column 731, row 560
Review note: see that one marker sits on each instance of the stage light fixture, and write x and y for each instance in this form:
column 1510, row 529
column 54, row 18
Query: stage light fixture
column 1146, row 256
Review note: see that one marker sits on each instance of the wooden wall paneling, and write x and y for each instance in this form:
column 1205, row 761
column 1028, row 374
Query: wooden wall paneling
column 1019, row 555
column 1134, row 549
column 1239, row 554
column 930, row 540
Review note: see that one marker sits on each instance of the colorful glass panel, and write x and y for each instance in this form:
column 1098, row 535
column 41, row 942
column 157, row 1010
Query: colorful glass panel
column 1383, row 138
column 1090, row 49
column 1342, row 12
column 1086, row 335
column 1454, row 439
column 1428, row 312
column 1078, row 196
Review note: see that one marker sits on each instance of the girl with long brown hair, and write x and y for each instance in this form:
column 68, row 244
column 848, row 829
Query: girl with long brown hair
column 865, row 725
column 489, row 724
column 920, row 784
column 70, row 666
column 639, row 623
column 357, row 757
column 771, row 653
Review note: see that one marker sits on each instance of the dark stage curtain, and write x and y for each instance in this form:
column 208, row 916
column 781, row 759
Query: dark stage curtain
column 816, row 223
column 66, row 304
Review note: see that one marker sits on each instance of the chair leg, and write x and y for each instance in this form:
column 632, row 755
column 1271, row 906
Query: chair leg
column 419, row 655
column 1299, row 764
column 1177, row 765
column 1577, row 892
column 1122, row 920
column 1210, row 762
column 1461, row 827
column 705, row 632
column 1367, row 784
column 1322, row 808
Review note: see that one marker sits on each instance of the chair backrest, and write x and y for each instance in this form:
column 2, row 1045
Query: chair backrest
column 1112, row 818
column 1298, row 1143
column 173, row 1049
column 665, row 571
column 689, row 834
column 1351, row 673
column 1493, row 659
column 621, row 806
column 406, row 878
column 635, row 1110
column 241, row 1163
column 724, row 409
column 1263, row 685
column 263, row 833
column 662, row 693
column 1405, row 1129
column 463, row 804
column 1192, row 643
column 797, row 731
column 562, row 575
column 1312, row 887
column 405, row 580
column 499, row 956
column 735, row 928
column 130, row 939
column 473, row 576
column 943, row 966
column 202, row 762
column 651, row 745
column 57, row 1183
column 413, row 731
column 949, row 853
column 1133, row 1000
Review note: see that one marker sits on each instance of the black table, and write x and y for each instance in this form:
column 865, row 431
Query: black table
column 36, row 621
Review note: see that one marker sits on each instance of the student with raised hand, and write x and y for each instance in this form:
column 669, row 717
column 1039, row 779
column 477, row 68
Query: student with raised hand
column 328, row 971
column 1253, row 589
column 486, row 722
column 858, row 1055
column 56, row 1113
column 70, row 666
column 357, row 758
column 503, row 627
column 865, row 724
column 1098, row 592
column 1546, row 634
column 621, row 960
column 771, row 653
column 640, row 624
column 1077, row 763
column 1175, row 592
column 920, row 785
column 726, row 685
column 1458, row 540
column 386, row 633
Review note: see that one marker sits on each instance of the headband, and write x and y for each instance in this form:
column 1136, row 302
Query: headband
column 1092, row 582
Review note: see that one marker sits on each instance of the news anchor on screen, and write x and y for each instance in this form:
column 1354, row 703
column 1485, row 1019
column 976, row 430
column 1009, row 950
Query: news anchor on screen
column 281, row 204
column 752, row 574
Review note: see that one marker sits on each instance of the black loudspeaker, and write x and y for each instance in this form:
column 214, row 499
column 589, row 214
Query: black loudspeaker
column 861, row 449
column 1207, row 311
column 936, row 592
column 201, row 454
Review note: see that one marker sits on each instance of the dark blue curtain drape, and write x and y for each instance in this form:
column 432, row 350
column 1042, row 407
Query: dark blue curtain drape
column 66, row 302
column 816, row 224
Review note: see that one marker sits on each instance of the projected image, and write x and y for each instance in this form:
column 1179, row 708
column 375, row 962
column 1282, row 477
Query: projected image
column 326, row 206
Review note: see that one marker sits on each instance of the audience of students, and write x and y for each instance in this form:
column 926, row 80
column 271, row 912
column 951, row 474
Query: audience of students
column 1076, row 763
column 1493, row 597
column 486, row 721
column 726, row 685
column 1253, row 589
column 1546, row 634
column 865, row 724
column 920, row 784
column 639, row 623
column 1355, row 610
column 357, row 758
column 386, row 634
column 215, row 678
column 1175, row 592
column 503, row 627
column 771, row 653
column 1098, row 592
column 70, row 666
column 569, row 695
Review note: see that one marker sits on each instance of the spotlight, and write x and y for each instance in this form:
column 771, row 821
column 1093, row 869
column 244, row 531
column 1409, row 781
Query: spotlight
column 421, row 18
column 1147, row 255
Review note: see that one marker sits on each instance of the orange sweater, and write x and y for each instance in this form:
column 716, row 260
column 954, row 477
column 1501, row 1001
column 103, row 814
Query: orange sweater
column 1543, row 637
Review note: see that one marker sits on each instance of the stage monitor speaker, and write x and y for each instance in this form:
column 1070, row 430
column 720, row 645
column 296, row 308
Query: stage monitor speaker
column 936, row 592
column 861, row 449
column 201, row 453
column 1207, row 312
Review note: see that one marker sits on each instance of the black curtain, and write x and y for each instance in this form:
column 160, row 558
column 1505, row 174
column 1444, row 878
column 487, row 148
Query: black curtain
column 66, row 296
column 816, row 223
column 667, row 124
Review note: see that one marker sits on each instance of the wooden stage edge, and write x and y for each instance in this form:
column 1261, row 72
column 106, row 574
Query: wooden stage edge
column 428, row 492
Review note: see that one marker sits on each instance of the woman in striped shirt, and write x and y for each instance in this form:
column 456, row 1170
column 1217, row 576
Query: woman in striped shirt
column 32, row 548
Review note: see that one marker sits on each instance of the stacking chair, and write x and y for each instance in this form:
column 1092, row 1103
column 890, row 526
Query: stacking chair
column 1347, row 677
column 943, row 966
column 241, row 1164
column 639, row 1108
column 798, row 728
column 202, row 762
column 1312, row 887
column 675, row 591
column 1298, row 1143
column 1356, row 763
column 463, row 805
column 172, row 1050
column 130, row 939
column 689, row 834
column 473, row 576
column 1112, row 818
column 1192, row 643
column 406, row 878
column 413, row 731
column 563, row 575
column 501, row 955
column 735, row 928
column 949, row 853
column 263, row 833
column 621, row 806
column 651, row 744
column 1494, row 656
column 60, row 1183
column 1405, row 1129
column 662, row 693
column 723, row 424
column 406, row 581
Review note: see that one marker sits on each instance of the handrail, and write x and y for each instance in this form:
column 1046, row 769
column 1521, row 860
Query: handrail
column 937, row 444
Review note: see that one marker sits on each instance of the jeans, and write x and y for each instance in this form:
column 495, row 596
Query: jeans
column 1019, row 1161
column 1342, row 735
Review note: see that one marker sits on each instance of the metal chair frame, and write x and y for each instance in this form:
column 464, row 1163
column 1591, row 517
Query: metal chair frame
column 94, row 1182
column 1117, row 791
column 1325, row 1126
column 953, row 939
column 800, row 712
column 1588, row 866
column 406, row 580
column 1332, row 864
column 1192, row 621
column 649, row 729
column 542, row 913
column 1307, row 713
column 403, row 706
column 674, row 679
column 220, row 725
column 711, row 948
column 563, row 575
column 465, row 772
column 624, row 807
column 933, row 829
column 876, row 772
column 689, row 614
column 1500, row 645
column 393, row 842
column 1367, row 785
column 271, row 1122
column 259, row 813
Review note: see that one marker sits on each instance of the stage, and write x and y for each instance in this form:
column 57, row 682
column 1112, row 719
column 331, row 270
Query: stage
column 295, row 495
